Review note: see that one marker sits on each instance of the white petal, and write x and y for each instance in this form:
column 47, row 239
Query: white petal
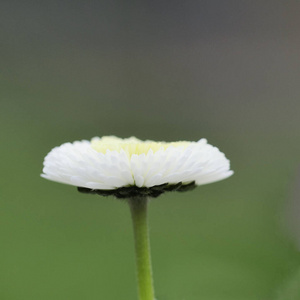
column 81, row 165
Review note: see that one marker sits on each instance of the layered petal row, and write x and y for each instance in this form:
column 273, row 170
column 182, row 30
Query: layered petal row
column 110, row 163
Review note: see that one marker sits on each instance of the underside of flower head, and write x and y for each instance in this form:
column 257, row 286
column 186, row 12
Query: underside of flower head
column 134, row 191
column 131, row 167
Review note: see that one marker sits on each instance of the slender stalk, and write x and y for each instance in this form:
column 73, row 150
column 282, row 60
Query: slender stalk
column 138, row 207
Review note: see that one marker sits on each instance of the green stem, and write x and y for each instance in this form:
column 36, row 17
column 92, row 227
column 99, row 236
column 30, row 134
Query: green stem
column 138, row 207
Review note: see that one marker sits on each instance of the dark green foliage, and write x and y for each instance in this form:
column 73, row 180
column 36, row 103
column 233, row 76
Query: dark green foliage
column 134, row 191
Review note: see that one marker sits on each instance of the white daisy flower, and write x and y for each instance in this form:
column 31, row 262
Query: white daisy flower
column 131, row 167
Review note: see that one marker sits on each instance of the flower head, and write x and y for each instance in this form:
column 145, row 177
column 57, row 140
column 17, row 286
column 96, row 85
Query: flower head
column 130, row 167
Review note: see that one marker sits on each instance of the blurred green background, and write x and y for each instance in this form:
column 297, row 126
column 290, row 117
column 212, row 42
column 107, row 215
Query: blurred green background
column 163, row 70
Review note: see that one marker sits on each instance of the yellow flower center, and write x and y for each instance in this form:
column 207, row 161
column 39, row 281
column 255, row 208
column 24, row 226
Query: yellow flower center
column 132, row 145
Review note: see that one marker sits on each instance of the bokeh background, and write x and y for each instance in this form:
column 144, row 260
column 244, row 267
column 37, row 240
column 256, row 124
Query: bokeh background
column 163, row 70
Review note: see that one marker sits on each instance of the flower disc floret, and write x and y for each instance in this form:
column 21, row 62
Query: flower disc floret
column 112, row 165
column 132, row 146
